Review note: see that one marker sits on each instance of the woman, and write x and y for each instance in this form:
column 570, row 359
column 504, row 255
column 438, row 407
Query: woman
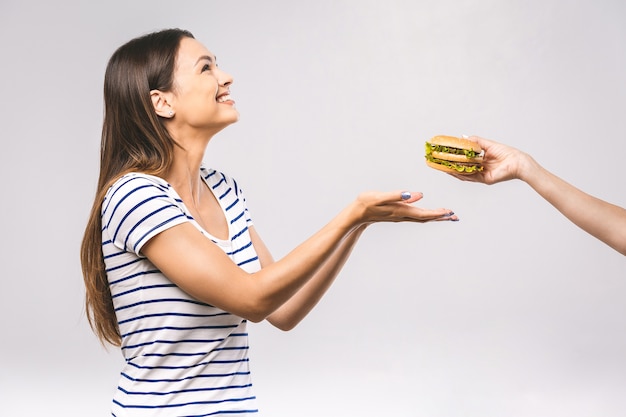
column 599, row 218
column 173, row 266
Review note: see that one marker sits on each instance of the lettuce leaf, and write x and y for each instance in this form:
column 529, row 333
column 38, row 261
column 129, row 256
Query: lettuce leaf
column 469, row 153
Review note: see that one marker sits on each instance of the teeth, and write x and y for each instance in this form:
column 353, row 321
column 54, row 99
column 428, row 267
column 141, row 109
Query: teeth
column 222, row 99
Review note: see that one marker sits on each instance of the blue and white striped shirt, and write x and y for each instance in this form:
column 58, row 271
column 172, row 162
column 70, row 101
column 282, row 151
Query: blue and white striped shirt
column 183, row 357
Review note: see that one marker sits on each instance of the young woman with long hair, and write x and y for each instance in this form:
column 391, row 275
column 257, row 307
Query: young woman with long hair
column 173, row 266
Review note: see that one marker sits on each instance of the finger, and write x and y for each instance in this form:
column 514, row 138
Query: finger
column 477, row 177
column 448, row 217
column 444, row 215
column 409, row 196
column 473, row 138
column 427, row 215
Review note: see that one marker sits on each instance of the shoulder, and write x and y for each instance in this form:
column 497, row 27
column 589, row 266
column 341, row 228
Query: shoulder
column 137, row 207
column 136, row 180
column 136, row 183
column 134, row 189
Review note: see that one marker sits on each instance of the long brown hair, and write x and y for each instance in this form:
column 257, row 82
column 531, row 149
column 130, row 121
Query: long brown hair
column 134, row 138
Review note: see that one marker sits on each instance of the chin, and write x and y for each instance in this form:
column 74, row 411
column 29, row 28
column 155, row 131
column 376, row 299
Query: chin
column 219, row 126
column 234, row 120
column 233, row 116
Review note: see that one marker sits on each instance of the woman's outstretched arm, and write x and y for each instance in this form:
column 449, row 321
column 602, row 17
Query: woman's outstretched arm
column 599, row 218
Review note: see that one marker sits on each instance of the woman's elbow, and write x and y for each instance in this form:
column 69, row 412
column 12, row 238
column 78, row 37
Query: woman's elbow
column 257, row 311
column 283, row 322
column 280, row 324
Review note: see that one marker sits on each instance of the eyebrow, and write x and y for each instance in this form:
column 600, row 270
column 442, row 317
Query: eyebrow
column 207, row 58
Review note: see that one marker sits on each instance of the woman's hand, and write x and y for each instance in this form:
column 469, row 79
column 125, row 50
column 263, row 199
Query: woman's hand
column 396, row 206
column 500, row 163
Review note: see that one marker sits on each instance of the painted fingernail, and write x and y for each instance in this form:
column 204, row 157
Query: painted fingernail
column 405, row 195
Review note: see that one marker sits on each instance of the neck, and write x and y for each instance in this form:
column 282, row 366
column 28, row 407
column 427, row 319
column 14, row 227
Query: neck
column 184, row 174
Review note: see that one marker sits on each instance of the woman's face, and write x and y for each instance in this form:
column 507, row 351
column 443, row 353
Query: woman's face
column 201, row 96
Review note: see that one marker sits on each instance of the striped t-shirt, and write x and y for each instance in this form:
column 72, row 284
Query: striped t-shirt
column 183, row 357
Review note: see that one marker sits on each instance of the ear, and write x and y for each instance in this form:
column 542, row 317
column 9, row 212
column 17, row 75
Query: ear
column 161, row 105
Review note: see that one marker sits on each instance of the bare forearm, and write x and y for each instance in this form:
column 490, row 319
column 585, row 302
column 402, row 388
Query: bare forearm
column 601, row 219
column 299, row 306
column 293, row 274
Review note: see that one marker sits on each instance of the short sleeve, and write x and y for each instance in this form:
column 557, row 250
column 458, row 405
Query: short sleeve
column 136, row 208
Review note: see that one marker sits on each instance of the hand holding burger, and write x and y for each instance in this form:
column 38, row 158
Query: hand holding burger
column 500, row 162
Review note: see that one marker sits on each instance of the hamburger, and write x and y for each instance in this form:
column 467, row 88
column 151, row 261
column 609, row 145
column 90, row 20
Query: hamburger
column 454, row 155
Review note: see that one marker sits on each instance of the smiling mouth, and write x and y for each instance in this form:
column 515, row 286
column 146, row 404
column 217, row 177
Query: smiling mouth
column 224, row 98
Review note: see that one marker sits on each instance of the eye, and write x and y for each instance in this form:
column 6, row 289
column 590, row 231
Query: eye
column 206, row 67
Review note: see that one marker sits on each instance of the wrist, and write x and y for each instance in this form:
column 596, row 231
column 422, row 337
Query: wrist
column 347, row 220
column 528, row 168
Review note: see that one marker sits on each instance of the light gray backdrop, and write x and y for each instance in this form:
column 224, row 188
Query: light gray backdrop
column 513, row 311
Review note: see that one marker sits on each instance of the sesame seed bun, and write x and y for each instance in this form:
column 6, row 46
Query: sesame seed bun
column 454, row 142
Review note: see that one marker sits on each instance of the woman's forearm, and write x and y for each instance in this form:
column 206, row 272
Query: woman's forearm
column 299, row 306
column 601, row 219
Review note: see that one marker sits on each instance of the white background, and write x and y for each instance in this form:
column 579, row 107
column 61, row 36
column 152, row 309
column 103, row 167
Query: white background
column 513, row 311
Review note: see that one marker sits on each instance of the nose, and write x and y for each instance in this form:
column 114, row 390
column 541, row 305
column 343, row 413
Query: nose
column 225, row 79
